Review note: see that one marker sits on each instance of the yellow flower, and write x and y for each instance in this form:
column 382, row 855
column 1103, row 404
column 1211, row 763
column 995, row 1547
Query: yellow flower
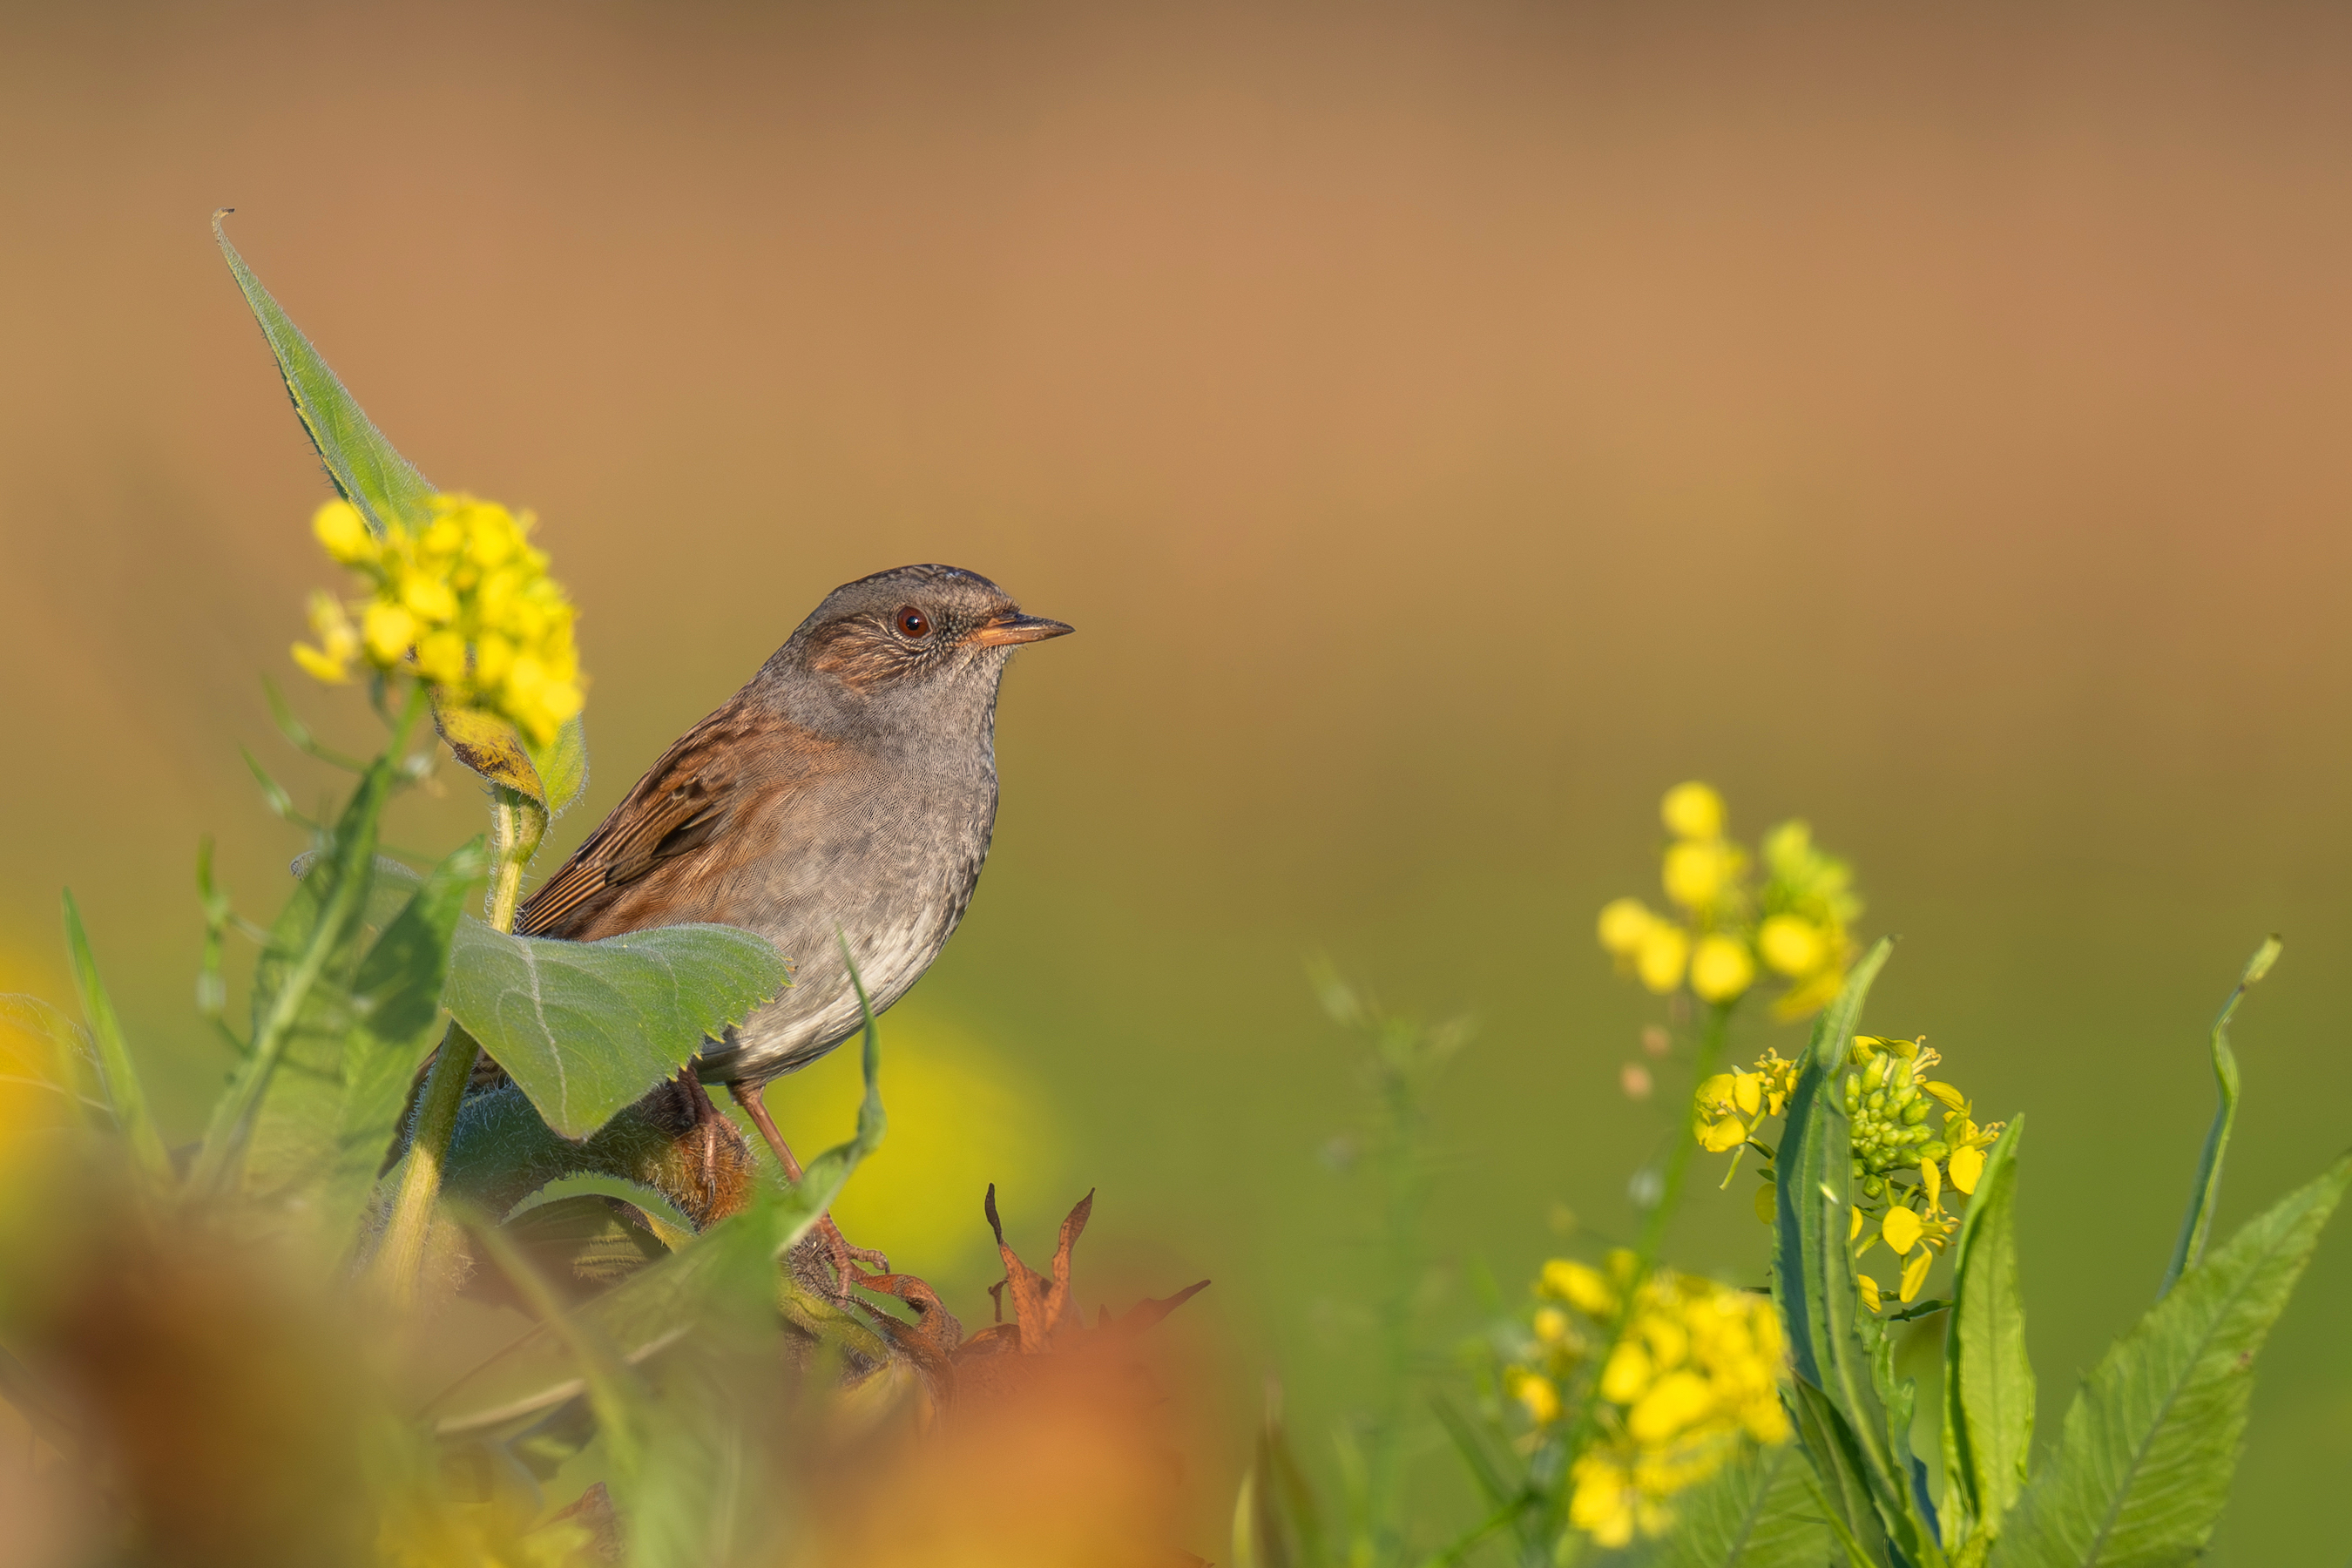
column 1659, row 961
column 469, row 601
column 1627, row 1375
column 1623, row 924
column 1720, row 969
column 1967, row 1165
column 1579, row 1285
column 1931, row 1179
column 1901, row 1228
column 339, row 526
column 1603, row 1501
column 1675, row 1402
column 1696, row 871
column 1914, row 1273
column 1550, row 1325
column 1791, row 945
column 1692, row 810
column 1538, row 1393
column 389, row 629
column 1717, row 1137
column 338, row 641
column 1869, row 1291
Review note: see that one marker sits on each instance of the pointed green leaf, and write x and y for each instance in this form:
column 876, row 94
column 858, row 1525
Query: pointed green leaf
column 2143, row 1463
column 365, row 468
column 117, row 1071
column 1758, row 1511
column 585, row 1027
column 1815, row 1280
column 1988, row 1381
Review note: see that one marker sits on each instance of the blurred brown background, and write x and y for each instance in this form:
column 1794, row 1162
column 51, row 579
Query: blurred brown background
column 1447, row 425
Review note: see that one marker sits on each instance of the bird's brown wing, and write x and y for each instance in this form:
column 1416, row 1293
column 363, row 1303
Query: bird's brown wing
column 689, row 797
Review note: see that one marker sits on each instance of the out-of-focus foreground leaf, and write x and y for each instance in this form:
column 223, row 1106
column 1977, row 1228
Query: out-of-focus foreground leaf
column 2143, row 1463
column 1758, row 1511
column 117, row 1071
column 585, row 1027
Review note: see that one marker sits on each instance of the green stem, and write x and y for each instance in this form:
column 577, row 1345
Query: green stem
column 517, row 824
column 232, row 1124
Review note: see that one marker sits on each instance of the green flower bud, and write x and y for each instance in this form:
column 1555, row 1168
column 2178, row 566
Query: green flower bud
column 1934, row 1149
column 1915, row 1113
column 1877, row 1100
column 1872, row 1187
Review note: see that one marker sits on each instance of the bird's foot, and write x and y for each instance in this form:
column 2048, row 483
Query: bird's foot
column 846, row 1257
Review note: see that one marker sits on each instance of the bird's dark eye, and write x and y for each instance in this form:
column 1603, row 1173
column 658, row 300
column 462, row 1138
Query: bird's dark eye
column 913, row 623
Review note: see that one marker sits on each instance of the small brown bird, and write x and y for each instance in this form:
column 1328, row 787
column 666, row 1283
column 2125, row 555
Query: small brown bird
column 849, row 788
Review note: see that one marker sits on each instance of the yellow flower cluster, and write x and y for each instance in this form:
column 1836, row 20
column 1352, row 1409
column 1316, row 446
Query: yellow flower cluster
column 1902, row 1165
column 1694, row 1372
column 464, row 603
column 1794, row 925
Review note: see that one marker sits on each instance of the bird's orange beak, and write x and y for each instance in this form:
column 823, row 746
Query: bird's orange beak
column 1006, row 630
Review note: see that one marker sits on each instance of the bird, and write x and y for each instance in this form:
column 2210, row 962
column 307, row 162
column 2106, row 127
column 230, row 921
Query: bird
column 843, row 800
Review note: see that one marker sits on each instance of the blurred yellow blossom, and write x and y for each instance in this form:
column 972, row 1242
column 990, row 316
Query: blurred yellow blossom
column 1720, row 969
column 464, row 603
column 1729, row 929
column 1694, row 1374
column 1693, row 810
column 1660, row 958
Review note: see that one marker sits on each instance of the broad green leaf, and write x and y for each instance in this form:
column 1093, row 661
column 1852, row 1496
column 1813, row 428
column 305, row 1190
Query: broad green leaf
column 1758, row 1511
column 2143, row 1463
column 365, row 468
column 2206, row 1190
column 329, row 1115
column 1988, row 1381
column 585, row 1027
column 117, row 1072
column 729, row 1270
column 1851, row 1510
column 1814, row 1282
column 502, row 1154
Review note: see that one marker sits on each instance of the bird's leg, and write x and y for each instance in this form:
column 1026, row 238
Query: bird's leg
column 708, row 1140
column 750, row 1097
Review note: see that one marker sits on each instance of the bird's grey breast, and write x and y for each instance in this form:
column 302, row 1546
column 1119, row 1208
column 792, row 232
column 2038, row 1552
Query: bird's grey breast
column 883, row 859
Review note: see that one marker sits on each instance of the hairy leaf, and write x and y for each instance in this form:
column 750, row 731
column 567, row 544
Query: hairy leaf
column 2144, row 1461
column 1988, row 1381
column 585, row 1027
column 365, row 468
column 329, row 1115
column 1758, row 1511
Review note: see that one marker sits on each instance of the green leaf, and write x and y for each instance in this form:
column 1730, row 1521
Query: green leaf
column 2143, row 1463
column 369, row 473
column 329, row 1115
column 1988, row 1381
column 1847, row 1428
column 117, row 1073
column 2206, row 1191
column 1758, row 1511
column 585, row 1027
column 727, row 1272
column 301, row 988
column 563, row 765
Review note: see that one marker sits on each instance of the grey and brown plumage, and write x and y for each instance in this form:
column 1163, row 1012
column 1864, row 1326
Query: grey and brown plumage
column 848, row 789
